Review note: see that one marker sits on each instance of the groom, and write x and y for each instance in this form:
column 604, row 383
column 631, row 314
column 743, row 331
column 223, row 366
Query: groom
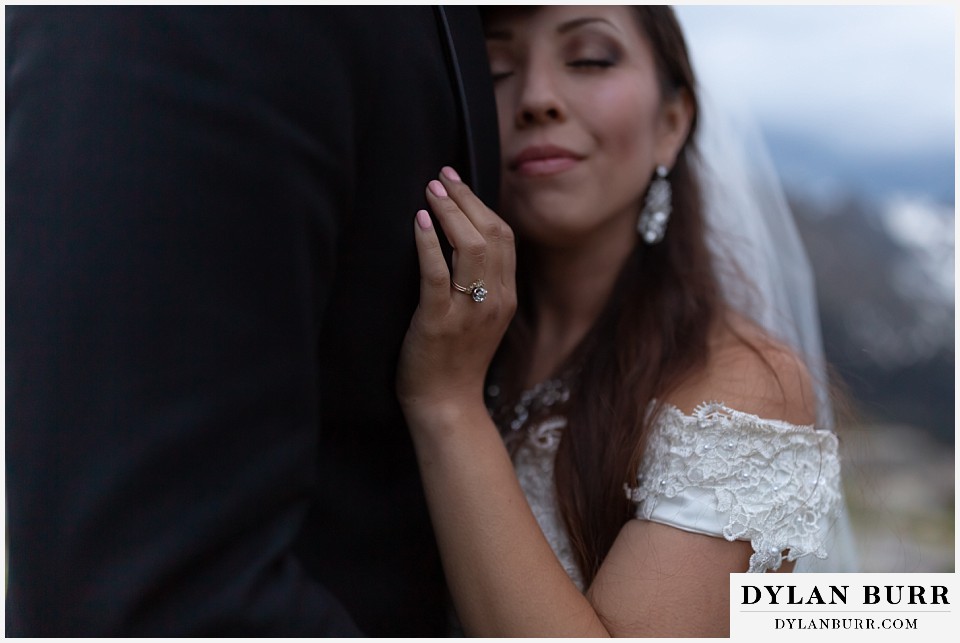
column 210, row 268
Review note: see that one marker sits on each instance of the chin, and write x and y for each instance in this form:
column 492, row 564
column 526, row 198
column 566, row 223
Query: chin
column 548, row 231
column 544, row 206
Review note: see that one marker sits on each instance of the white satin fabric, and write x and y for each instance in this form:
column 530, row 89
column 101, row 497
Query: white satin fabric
column 722, row 473
column 734, row 475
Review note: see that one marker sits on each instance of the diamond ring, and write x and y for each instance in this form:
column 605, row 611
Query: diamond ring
column 477, row 290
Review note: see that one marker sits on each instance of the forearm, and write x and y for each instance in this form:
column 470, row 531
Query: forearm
column 505, row 579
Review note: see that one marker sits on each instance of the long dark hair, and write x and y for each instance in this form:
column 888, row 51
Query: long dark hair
column 652, row 334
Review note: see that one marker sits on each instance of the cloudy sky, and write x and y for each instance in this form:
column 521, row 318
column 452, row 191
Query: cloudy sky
column 868, row 80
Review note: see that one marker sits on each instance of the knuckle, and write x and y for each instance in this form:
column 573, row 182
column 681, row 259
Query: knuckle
column 476, row 249
column 426, row 329
column 491, row 315
column 429, row 244
column 435, row 280
column 495, row 230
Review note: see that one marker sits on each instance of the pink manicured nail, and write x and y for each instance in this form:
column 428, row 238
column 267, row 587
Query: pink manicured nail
column 423, row 220
column 437, row 188
column 451, row 174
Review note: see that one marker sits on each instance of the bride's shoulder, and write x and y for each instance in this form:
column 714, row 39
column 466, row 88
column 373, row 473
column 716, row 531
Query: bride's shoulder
column 750, row 371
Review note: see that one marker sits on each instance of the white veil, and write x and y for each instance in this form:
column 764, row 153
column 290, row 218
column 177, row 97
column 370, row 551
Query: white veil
column 752, row 234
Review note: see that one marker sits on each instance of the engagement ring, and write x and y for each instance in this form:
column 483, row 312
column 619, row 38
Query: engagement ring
column 477, row 290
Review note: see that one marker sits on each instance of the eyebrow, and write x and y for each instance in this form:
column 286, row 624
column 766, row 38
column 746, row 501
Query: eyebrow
column 579, row 22
column 570, row 25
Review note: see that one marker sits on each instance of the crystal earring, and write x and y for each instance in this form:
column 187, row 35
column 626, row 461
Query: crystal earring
column 652, row 224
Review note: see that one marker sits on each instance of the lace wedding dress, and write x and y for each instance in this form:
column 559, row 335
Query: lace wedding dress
column 718, row 472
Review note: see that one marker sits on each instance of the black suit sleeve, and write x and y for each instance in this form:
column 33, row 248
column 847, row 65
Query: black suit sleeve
column 174, row 183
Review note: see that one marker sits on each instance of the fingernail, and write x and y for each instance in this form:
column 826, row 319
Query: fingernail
column 423, row 220
column 437, row 188
column 451, row 174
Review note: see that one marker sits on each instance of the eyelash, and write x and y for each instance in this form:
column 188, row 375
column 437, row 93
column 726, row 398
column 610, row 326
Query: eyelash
column 591, row 62
column 576, row 64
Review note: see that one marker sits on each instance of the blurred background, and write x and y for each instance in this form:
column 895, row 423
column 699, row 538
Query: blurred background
column 856, row 105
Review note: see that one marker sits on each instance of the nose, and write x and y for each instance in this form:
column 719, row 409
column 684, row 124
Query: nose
column 540, row 102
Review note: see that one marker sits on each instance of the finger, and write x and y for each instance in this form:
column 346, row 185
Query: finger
column 508, row 262
column 475, row 209
column 469, row 246
column 434, row 276
column 501, row 251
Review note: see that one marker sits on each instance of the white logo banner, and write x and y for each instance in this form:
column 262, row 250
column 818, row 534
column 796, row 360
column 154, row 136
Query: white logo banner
column 844, row 607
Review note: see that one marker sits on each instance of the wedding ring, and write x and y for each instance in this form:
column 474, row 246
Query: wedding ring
column 477, row 290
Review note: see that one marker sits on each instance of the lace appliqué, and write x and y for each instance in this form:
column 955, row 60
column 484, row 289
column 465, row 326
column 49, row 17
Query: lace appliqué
column 534, row 463
column 536, row 400
column 779, row 484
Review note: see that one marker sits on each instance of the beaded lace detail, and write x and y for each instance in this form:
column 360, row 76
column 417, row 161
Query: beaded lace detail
column 775, row 484
column 778, row 484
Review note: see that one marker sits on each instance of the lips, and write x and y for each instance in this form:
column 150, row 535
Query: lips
column 544, row 160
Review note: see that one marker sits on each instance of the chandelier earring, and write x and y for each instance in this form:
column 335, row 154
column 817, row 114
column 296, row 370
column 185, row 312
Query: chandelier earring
column 655, row 215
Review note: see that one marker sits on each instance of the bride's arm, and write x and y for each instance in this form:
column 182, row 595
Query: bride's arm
column 503, row 575
column 504, row 578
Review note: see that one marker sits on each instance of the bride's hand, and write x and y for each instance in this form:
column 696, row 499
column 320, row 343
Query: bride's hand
column 453, row 334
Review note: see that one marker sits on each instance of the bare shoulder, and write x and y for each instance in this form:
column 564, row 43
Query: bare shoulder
column 750, row 371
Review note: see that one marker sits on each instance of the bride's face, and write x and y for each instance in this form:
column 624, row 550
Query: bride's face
column 583, row 122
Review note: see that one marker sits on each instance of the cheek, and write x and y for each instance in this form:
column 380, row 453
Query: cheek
column 505, row 121
column 625, row 121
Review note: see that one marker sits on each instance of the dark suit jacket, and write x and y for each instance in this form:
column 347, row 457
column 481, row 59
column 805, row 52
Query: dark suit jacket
column 210, row 268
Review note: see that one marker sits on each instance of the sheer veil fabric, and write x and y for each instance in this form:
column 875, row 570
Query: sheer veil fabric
column 762, row 264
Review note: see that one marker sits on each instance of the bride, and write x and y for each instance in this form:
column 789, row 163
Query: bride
column 607, row 419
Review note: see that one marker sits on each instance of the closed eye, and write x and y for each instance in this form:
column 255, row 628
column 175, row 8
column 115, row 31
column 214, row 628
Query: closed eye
column 591, row 62
column 500, row 75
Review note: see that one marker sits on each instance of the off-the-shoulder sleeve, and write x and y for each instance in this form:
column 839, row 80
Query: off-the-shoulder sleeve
column 725, row 473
